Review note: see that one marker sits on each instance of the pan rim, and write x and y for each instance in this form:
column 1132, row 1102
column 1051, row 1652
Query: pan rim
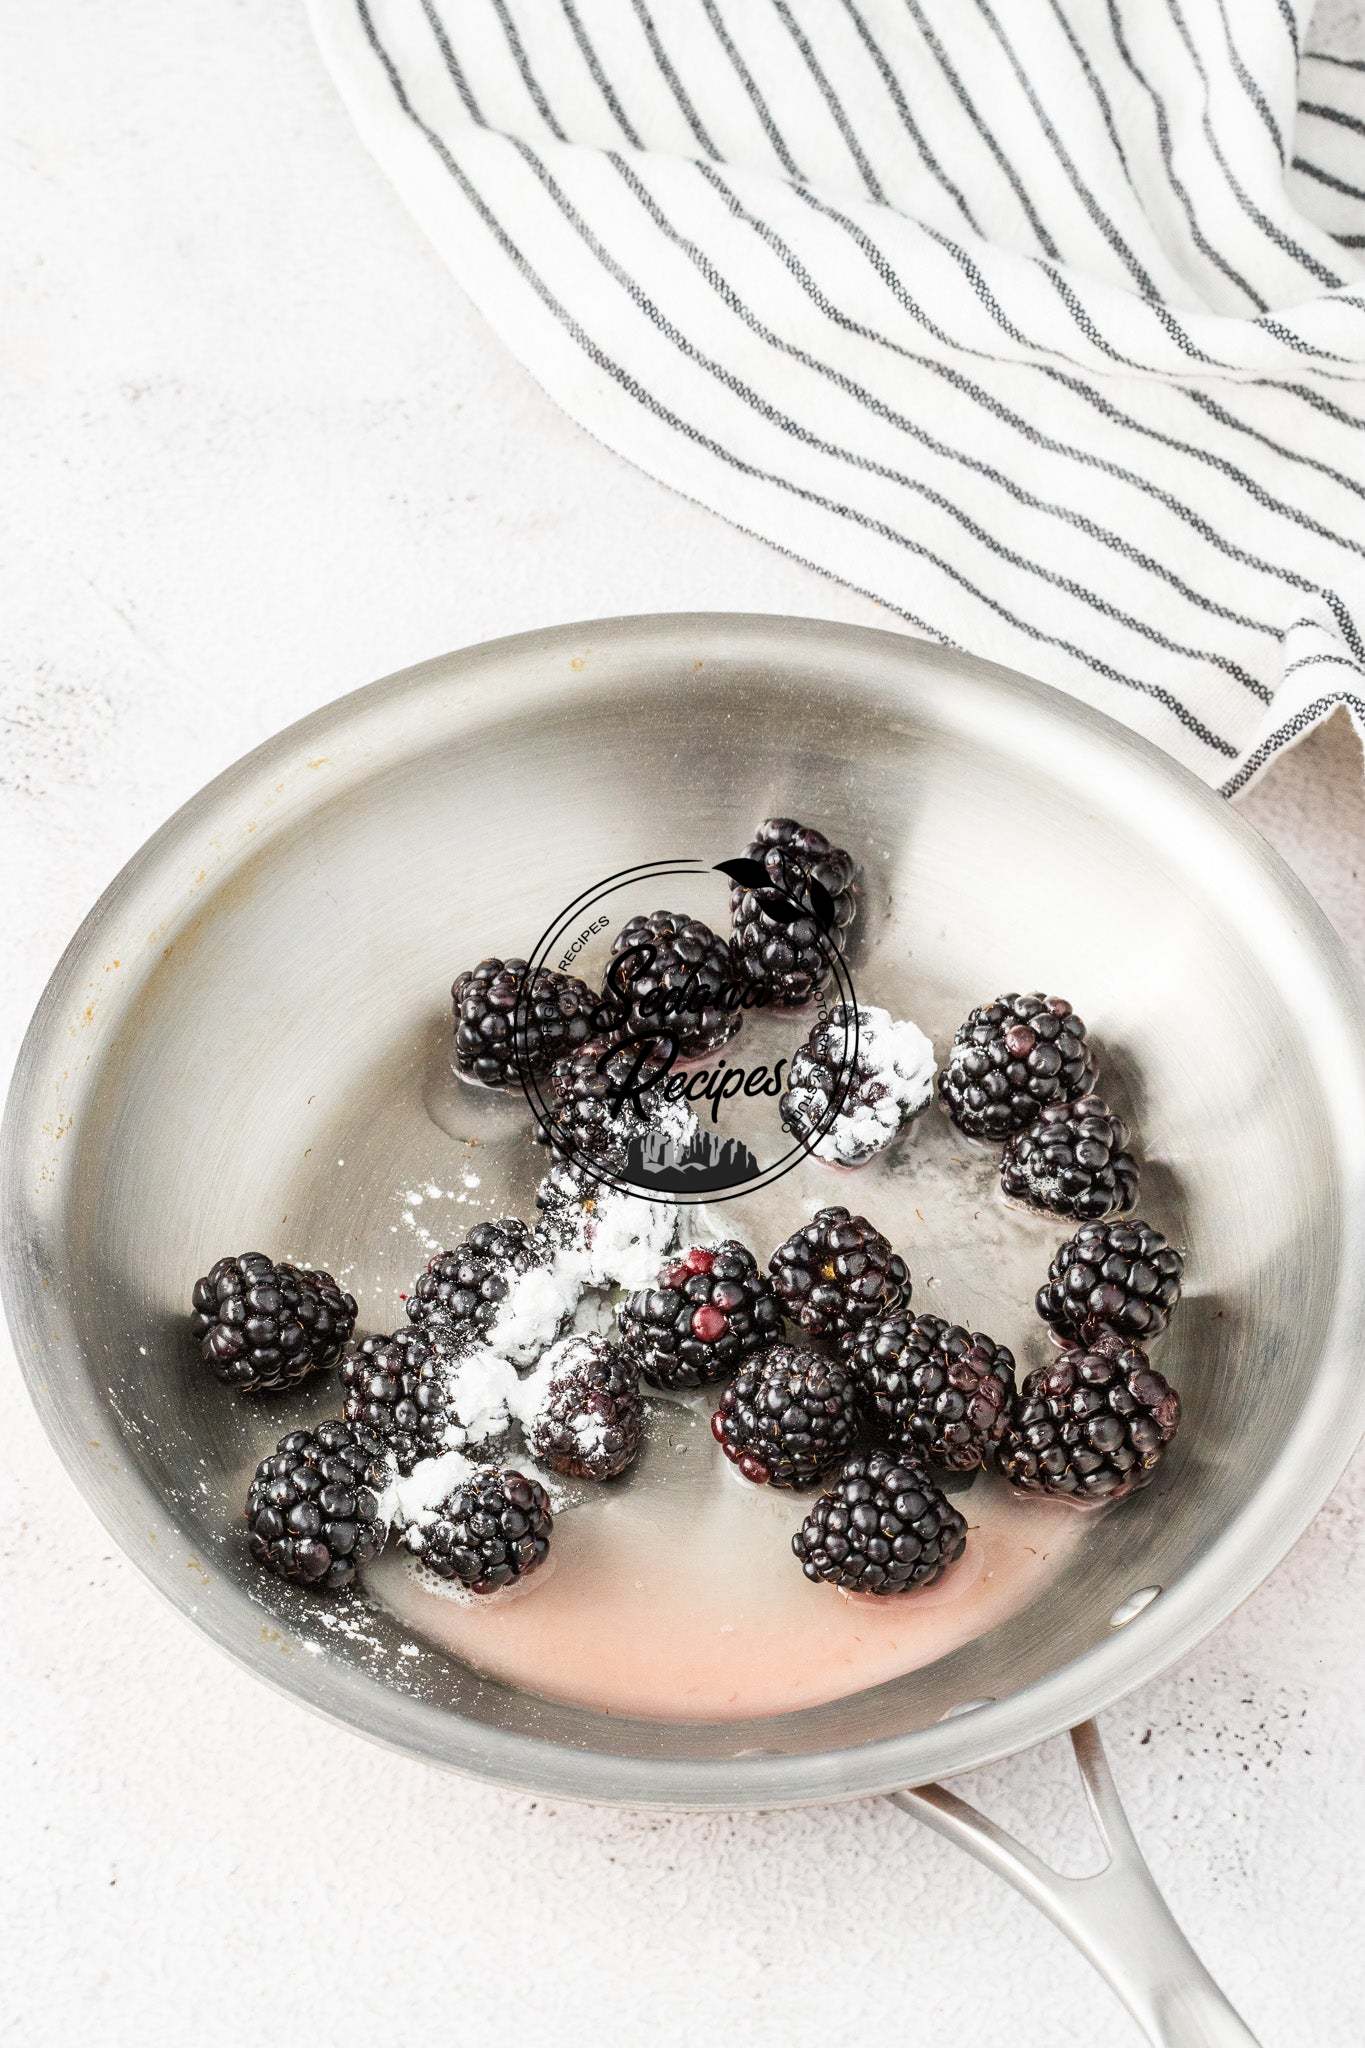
column 1253, row 1541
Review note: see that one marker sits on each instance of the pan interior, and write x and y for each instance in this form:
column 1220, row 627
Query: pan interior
column 263, row 1064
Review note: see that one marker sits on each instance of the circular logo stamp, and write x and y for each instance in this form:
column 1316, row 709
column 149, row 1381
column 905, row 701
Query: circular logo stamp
column 693, row 1128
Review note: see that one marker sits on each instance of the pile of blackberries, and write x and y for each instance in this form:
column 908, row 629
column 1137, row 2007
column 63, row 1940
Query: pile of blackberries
column 824, row 1373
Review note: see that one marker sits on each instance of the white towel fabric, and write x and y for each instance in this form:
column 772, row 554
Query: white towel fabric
column 1040, row 321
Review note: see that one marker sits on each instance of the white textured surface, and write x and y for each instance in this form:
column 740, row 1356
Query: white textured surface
column 258, row 449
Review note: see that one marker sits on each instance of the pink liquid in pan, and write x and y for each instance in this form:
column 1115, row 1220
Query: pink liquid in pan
column 675, row 1596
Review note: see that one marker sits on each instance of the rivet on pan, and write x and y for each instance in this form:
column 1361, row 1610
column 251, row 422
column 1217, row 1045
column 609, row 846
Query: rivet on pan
column 1133, row 1605
column 966, row 1707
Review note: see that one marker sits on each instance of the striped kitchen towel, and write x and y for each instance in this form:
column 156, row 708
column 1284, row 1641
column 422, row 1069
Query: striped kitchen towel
column 1042, row 322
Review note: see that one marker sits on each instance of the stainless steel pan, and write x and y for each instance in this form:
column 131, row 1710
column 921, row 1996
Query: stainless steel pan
column 260, row 995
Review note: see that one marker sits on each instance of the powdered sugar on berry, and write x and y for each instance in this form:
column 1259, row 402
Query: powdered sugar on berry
column 482, row 1388
column 537, row 1307
column 417, row 1500
column 626, row 1241
column 887, row 1065
column 533, row 1391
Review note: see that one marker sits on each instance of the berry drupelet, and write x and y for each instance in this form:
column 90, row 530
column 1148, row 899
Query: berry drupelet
column 836, row 1273
column 710, row 1309
column 1074, row 1162
column 931, row 1390
column 671, row 980
column 1010, row 1059
column 490, row 1530
column 458, row 1296
column 510, row 1023
column 882, row 1527
column 1122, row 1277
column 313, row 1509
column 262, row 1326
column 784, row 958
column 590, row 1421
column 1091, row 1425
column 787, row 1416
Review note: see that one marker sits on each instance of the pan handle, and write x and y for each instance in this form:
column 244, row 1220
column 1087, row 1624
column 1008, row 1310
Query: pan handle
column 1117, row 1918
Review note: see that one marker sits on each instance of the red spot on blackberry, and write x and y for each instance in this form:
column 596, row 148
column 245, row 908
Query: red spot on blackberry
column 698, row 1260
column 710, row 1310
column 709, row 1324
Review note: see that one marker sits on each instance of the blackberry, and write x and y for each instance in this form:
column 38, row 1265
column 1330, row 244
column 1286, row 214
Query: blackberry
column 400, row 1387
column 836, row 1273
column 590, row 1421
column 1122, row 1277
column 883, row 1527
column 672, row 980
column 600, row 1098
column 855, row 1083
column 787, row 1416
column 568, row 1199
column 1091, row 1425
column 394, row 1387
column 263, row 1325
column 490, row 1530
column 710, row 1309
column 510, row 1023
column 456, row 1299
column 932, row 1390
column 1010, row 1060
column 781, row 959
column 1073, row 1162
column 313, row 1508
column 601, row 1232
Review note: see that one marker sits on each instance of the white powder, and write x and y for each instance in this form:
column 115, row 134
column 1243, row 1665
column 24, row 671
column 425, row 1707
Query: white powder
column 589, row 1431
column 1049, row 1199
column 533, row 1387
column 538, row 1305
column 595, row 1315
column 481, row 1387
column 589, row 1428
column 626, row 1240
column 424, row 1237
column 618, row 1242
column 677, row 1122
column 416, row 1498
column 891, row 1053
